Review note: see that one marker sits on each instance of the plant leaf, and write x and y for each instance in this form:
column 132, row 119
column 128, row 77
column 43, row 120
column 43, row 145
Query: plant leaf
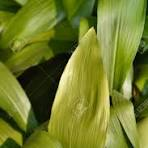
column 80, row 112
column 4, row 19
column 7, row 132
column 85, row 24
column 35, row 18
column 42, row 139
column 14, row 101
column 125, row 113
column 78, row 9
column 120, row 28
column 115, row 136
column 29, row 56
column 142, row 129
column 8, row 5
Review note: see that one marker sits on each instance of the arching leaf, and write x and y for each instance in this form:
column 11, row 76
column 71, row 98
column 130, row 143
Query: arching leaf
column 80, row 112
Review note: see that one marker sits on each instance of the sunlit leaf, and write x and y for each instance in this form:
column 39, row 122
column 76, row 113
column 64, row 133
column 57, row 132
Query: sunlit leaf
column 7, row 132
column 31, row 22
column 21, row 2
column 14, row 101
column 115, row 136
column 143, row 134
column 35, row 54
column 120, row 28
column 29, row 56
column 80, row 112
column 127, row 85
column 42, row 139
column 125, row 113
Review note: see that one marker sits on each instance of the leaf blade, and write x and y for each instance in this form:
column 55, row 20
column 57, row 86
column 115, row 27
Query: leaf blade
column 14, row 100
column 84, row 114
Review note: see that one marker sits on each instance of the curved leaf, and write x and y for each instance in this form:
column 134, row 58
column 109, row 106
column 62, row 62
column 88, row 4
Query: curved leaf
column 115, row 136
column 7, row 132
column 120, row 28
column 80, row 112
column 125, row 113
column 31, row 22
column 14, row 101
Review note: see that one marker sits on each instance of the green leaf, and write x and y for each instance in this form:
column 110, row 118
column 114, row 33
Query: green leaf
column 125, row 113
column 7, row 132
column 120, row 28
column 141, row 76
column 42, row 139
column 143, row 134
column 78, row 9
column 115, row 135
column 21, row 2
column 31, row 23
column 30, row 56
column 141, row 73
column 128, row 85
column 14, row 101
column 80, row 112
column 4, row 19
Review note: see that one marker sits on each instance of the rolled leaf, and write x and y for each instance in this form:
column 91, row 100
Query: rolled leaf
column 120, row 28
column 29, row 56
column 125, row 113
column 80, row 112
column 42, row 139
column 77, row 9
column 7, row 132
column 31, row 22
column 14, row 100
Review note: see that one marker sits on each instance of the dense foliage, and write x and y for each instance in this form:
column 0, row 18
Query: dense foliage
column 73, row 74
